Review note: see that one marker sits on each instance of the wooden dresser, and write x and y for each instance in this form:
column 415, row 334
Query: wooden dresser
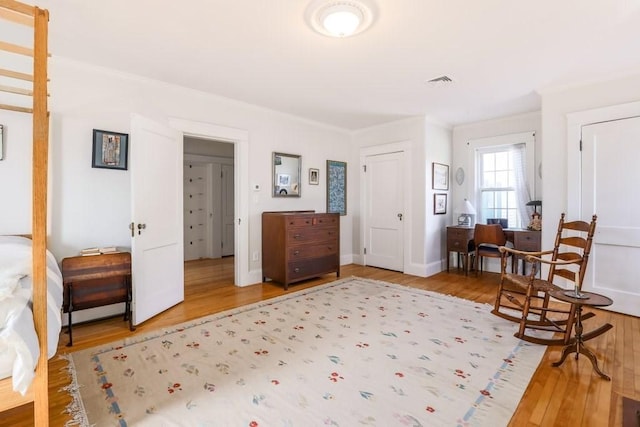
column 299, row 245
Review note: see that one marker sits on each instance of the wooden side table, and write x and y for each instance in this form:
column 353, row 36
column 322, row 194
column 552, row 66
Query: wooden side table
column 458, row 238
column 96, row 281
column 577, row 346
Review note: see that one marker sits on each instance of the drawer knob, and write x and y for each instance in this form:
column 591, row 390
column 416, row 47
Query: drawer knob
column 296, row 270
column 296, row 252
column 296, row 236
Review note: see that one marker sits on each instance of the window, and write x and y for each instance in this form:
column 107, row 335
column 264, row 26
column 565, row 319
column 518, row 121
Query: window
column 503, row 169
column 497, row 186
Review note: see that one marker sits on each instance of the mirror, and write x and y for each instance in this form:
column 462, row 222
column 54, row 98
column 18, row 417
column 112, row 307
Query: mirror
column 286, row 175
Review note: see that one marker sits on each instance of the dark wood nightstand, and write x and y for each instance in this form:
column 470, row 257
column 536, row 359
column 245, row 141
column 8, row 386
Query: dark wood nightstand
column 458, row 240
column 96, row 281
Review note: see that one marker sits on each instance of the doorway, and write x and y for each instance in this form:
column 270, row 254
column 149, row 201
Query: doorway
column 208, row 198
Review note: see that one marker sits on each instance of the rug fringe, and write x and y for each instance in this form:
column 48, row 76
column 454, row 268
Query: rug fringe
column 76, row 408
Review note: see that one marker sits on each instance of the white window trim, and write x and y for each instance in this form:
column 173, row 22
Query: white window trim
column 527, row 138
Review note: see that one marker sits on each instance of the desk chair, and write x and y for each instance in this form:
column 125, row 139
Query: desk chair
column 488, row 238
column 526, row 300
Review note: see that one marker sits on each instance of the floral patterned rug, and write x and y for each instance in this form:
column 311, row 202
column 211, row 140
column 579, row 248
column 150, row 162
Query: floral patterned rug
column 348, row 353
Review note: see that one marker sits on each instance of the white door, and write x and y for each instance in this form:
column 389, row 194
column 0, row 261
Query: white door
column 195, row 212
column 228, row 213
column 610, row 176
column 384, row 201
column 156, row 206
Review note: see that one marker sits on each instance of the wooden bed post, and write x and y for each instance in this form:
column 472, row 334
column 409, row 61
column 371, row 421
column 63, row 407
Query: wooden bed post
column 39, row 224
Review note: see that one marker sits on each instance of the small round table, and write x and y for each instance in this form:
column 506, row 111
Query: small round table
column 589, row 299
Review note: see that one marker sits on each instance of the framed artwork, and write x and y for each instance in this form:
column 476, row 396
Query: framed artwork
column 440, row 176
column 110, row 150
column 336, row 187
column 314, row 176
column 439, row 204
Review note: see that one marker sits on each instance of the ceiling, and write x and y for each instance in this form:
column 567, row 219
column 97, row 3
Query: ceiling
column 500, row 53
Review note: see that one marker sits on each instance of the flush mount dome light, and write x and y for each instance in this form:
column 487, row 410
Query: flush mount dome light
column 338, row 18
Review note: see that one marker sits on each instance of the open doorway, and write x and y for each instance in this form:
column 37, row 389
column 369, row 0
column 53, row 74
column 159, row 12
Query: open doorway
column 209, row 199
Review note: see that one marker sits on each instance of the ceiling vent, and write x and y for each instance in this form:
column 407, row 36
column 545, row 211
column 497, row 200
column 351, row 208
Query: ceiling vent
column 440, row 81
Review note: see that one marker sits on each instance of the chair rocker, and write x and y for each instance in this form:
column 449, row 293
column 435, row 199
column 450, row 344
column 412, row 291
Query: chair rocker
column 526, row 300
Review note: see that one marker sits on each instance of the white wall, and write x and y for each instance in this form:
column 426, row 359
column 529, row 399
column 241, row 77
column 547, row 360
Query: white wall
column 429, row 143
column 556, row 104
column 91, row 207
column 15, row 174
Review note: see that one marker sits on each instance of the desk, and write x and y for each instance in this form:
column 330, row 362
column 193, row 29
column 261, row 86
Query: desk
column 95, row 281
column 460, row 240
column 592, row 300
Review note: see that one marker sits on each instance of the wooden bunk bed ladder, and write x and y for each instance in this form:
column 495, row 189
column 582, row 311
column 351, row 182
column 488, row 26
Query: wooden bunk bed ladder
column 37, row 18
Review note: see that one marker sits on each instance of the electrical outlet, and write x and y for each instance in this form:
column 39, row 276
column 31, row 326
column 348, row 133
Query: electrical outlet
column 256, row 256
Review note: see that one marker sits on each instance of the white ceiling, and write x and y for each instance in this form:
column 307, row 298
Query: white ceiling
column 499, row 52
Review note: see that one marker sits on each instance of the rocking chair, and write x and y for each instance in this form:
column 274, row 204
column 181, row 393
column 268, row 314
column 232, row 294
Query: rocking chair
column 526, row 299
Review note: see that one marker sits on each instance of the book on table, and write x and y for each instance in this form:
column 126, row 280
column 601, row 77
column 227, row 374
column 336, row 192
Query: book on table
column 99, row 251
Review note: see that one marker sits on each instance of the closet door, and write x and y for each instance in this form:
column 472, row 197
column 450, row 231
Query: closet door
column 195, row 211
column 156, row 207
column 610, row 177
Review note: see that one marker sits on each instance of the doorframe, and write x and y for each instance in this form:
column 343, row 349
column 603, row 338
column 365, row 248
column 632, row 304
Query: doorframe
column 240, row 140
column 389, row 148
column 575, row 122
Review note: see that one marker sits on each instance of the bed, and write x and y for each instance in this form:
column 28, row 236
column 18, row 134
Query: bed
column 14, row 13
column 19, row 348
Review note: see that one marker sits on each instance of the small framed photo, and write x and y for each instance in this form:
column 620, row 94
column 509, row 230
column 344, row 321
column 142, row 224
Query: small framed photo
column 439, row 204
column 314, row 176
column 110, row 150
column 440, row 176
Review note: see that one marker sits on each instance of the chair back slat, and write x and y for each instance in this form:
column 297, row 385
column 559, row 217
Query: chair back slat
column 577, row 242
column 566, row 236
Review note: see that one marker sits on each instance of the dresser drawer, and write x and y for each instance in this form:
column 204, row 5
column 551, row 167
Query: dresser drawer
column 311, row 267
column 458, row 239
column 298, row 235
column 312, row 220
column 299, row 252
column 528, row 241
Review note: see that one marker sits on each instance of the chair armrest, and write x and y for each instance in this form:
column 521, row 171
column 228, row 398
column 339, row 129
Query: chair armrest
column 531, row 258
column 508, row 251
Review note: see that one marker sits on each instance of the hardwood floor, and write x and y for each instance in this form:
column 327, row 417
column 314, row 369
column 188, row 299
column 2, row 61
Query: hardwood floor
column 570, row 395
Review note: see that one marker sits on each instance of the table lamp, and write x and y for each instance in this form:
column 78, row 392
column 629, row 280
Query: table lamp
column 466, row 213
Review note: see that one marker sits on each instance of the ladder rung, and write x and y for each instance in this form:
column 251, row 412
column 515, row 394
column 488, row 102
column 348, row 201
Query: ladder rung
column 16, row 75
column 17, row 90
column 14, row 108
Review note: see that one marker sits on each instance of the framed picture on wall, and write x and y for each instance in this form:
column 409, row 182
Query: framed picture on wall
column 336, row 187
column 314, row 176
column 110, row 150
column 439, row 204
column 440, row 176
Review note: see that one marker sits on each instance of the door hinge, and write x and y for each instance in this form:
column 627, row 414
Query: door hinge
column 365, row 251
column 221, row 244
column 580, row 145
column 365, row 168
column 221, row 174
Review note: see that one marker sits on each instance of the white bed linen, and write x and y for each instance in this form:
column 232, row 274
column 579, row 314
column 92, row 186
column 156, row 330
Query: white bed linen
column 19, row 349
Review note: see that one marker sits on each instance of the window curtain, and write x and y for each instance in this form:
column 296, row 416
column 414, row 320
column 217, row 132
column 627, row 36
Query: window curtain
column 518, row 156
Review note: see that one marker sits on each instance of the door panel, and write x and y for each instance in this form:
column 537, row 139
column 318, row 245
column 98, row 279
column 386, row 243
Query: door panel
column 384, row 209
column 156, row 206
column 610, row 173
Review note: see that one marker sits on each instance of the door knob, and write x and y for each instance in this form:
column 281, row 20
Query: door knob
column 400, row 216
column 141, row 227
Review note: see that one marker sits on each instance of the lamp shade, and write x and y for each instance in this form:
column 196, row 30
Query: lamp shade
column 466, row 208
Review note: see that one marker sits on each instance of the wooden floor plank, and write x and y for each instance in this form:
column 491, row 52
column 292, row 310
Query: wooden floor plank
column 554, row 394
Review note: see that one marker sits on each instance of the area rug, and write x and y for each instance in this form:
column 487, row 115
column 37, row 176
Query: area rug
column 348, row 353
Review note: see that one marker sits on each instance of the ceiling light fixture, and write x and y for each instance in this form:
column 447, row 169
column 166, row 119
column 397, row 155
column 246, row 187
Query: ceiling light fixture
column 340, row 18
